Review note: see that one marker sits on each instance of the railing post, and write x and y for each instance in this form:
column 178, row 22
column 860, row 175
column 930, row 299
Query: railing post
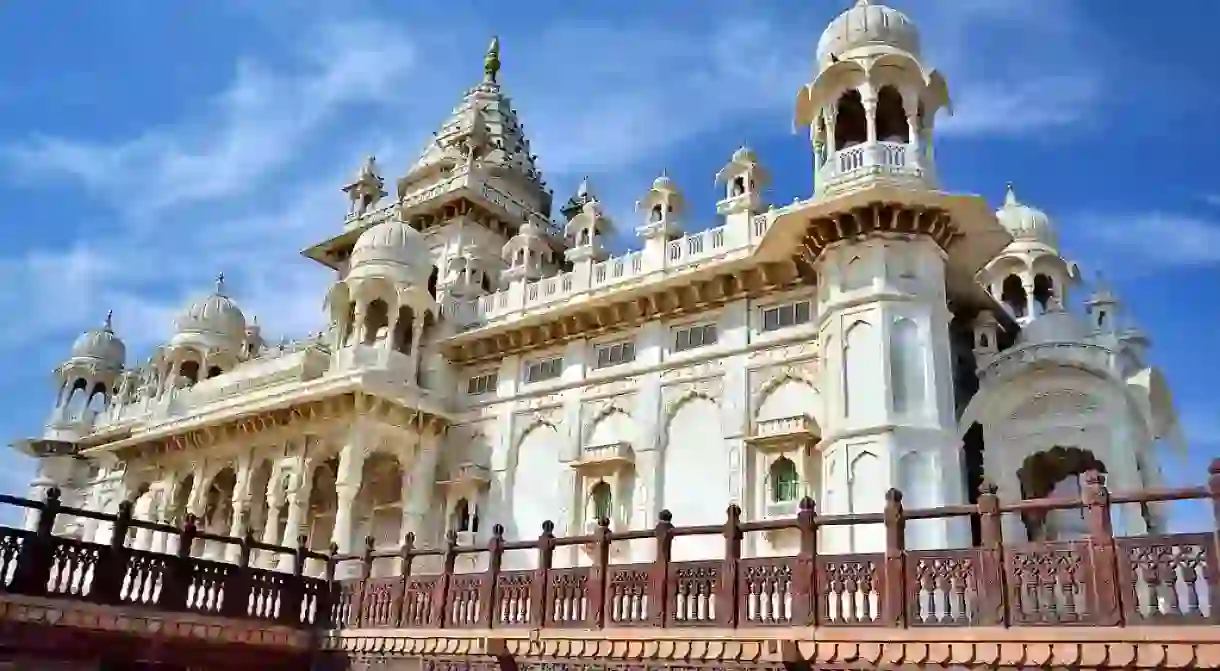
column 108, row 577
column 406, row 557
column 327, row 609
column 175, row 590
column 658, row 576
column 1103, row 576
column 440, row 598
column 804, row 568
column 1213, row 486
column 238, row 584
column 726, row 586
column 366, row 570
column 37, row 555
column 598, row 574
column 292, row 602
column 487, row 588
column 539, row 613
column 893, row 599
column 992, row 579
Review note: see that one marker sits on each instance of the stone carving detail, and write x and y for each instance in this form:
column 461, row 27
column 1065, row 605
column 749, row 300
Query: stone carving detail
column 1058, row 403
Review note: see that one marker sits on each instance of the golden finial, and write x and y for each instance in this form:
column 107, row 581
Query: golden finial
column 108, row 324
column 491, row 62
column 220, row 284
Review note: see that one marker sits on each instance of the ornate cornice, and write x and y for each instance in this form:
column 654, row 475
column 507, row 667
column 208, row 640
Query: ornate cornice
column 1066, row 647
column 619, row 313
column 302, row 416
column 148, row 624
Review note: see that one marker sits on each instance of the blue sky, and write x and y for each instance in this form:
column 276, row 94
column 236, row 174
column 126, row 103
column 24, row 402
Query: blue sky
column 147, row 146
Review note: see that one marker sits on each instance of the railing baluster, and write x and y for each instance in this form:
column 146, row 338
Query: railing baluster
column 658, row 587
column 37, row 557
column 539, row 611
column 894, row 574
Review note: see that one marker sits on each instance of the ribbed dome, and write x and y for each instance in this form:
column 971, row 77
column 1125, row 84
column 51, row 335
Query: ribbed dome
column 216, row 314
column 869, row 25
column 394, row 244
column 1026, row 223
column 663, row 183
column 100, row 344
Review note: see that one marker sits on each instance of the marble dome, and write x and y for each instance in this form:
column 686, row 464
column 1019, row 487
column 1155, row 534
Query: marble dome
column 394, row 247
column 215, row 315
column 869, row 25
column 1025, row 223
column 100, row 344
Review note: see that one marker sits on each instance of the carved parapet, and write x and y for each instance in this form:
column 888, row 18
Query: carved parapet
column 858, row 647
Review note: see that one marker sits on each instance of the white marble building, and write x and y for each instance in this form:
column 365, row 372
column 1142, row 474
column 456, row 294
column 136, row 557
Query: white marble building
column 484, row 359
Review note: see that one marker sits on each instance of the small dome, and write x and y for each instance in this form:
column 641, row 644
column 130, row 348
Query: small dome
column 1056, row 325
column 744, row 155
column 869, row 25
column 100, row 344
column 1026, row 223
column 216, row 314
column 663, row 183
column 394, row 244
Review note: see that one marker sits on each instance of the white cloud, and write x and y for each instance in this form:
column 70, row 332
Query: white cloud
column 254, row 126
column 1151, row 241
column 251, row 176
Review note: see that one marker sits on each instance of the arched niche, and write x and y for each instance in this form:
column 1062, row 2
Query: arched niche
column 1056, row 473
column 695, row 471
column 537, row 479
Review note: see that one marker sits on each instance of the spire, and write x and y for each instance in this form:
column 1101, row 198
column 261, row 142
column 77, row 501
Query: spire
column 220, row 284
column 582, row 191
column 491, row 62
column 1010, row 196
column 108, row 324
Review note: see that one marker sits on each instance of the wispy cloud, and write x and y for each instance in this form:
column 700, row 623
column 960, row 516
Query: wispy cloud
column 255, row 125
column 1152, row 241
column 248, row 176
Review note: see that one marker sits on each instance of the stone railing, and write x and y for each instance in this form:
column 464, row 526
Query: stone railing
column 36, row 563
column 1018, row 359
column 885, row 160
column 678, row 255
column 1097, row 579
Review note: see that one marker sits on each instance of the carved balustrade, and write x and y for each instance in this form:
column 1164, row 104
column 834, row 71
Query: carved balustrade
column 38, row 563
column 1098, row 579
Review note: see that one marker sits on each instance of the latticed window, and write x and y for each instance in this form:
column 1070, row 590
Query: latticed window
column 601, row 499
column 785, row 483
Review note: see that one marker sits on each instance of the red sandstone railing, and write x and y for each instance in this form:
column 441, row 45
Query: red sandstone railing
column 1096, row 580
column 39, row 563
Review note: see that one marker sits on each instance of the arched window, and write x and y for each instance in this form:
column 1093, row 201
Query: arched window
column 851, row 122
column 657, row 210
column 461, row 516
column 376, row 319
column 601, row 500
column 190, row 370
column 432, row 280
column 214, row 371
column 891, row 117
column 739, row 186
column 1012, row 293
column 785, row 483
column 1044, row 290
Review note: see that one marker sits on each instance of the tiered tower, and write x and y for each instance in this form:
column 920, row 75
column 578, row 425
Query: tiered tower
column 891, row 252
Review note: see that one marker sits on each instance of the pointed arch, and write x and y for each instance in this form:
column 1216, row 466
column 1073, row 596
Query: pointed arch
column 601, row 415
column 776, row 381
column 535, row 422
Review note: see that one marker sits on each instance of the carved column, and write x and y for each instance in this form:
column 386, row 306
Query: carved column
column 417, row 334
column 300, row 485
column 271, row 523
column 347, row 486
column 241, row 505
column 421, row 483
